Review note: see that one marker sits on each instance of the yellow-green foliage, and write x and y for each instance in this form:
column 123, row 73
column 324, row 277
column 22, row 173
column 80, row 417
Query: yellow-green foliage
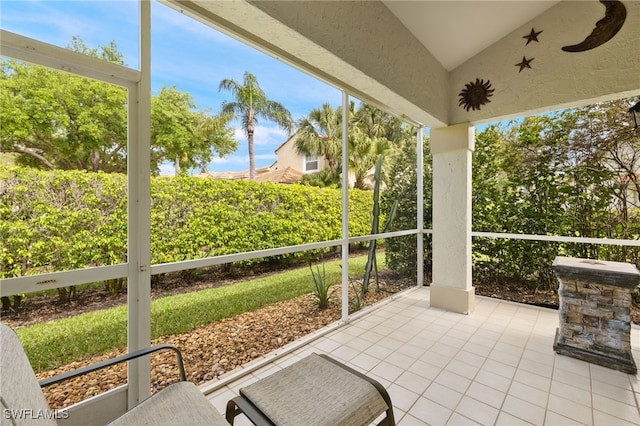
column 61, row 220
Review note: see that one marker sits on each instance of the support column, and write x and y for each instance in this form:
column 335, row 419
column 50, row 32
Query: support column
column 139, row 222
column 451, row 288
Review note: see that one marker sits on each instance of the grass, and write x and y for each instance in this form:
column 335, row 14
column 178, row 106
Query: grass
column 55, row 343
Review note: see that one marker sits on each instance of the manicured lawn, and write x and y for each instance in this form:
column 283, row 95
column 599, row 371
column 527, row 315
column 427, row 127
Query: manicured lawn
column 60, row 342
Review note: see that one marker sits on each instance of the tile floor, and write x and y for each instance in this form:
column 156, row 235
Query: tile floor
column 494, row 367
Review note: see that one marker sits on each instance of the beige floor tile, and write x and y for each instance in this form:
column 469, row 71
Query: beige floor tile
column 486, row 394
column 571, row 410
column 532, row 379
column 402, row 398
column 443, row 395
column 478, row 411
column 413, row 382
column 600, row 418
column 364, row 361
column 493, row 367
column 614, row 392
column 572, row 393
column 555, row 419
column 409, row 420
column 493, row 380
column 506, row 419
column 387, row 371
column 453, row 381
column 424, row 369
column 459, row 420
column 570, row 378
column 618, row 409
column 530, row 394
column 524, row 410
column 430, row 412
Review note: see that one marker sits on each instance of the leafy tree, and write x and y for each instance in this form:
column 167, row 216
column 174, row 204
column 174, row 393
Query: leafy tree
column 610, row 147
column 54, row 120
column 186, row 136
column 250, row 102
column 570, row 173
column 567, row 173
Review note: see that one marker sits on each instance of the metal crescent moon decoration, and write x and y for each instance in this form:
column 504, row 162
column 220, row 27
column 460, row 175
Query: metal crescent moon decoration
column 605, row 29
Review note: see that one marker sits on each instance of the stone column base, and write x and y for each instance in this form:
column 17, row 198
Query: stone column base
column 453, row 299
column 626, row 365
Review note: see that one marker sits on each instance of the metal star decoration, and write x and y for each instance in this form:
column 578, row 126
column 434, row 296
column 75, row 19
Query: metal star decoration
column 526, row 63
column 532, row 36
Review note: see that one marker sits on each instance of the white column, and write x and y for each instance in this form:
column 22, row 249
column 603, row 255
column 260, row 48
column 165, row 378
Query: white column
column 451, row 288
column 139, row 224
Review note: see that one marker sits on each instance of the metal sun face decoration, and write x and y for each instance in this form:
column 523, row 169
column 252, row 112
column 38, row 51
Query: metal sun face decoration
column 475, row 94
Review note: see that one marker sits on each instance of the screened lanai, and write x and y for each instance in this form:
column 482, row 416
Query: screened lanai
column 445, row 67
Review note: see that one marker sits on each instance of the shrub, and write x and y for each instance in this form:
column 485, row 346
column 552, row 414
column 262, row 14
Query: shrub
column 62, row 220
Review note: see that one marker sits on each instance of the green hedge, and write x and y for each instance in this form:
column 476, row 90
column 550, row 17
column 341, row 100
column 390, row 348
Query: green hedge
column 62, row 220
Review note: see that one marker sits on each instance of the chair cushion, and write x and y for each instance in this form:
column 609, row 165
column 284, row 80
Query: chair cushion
column 315, row 391
column 180, row 403
column 22, row 400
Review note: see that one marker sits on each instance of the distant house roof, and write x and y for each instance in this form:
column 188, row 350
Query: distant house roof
column 629, row 178
column 242, row 175
column 263, row 174
column 286, row 175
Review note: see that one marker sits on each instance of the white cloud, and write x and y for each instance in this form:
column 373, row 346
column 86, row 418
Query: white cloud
column 263, row 136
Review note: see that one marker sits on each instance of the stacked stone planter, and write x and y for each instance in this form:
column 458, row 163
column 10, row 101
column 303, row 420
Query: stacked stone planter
column 595, row 311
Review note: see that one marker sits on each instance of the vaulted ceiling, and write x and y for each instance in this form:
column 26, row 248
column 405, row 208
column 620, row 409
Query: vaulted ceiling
column 446, row 62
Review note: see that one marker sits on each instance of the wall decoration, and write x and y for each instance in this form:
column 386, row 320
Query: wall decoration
column 532, row 36
column 475, row 94
column 526, row 63
column 605, row 29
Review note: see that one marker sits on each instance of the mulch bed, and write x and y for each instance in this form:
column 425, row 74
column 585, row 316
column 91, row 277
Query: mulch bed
column 215, row 349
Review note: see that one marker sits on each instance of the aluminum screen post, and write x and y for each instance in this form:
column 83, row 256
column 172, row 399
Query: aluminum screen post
column 345, row 207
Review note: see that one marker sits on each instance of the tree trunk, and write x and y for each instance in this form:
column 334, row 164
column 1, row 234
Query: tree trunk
column 94, row 157
column 252, row 160
column 34, row 154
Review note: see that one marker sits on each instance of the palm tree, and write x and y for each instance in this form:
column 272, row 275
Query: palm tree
column 376, row 134
column 320, row 133
column 364, row 151
column 372, row 132
column 250, row 102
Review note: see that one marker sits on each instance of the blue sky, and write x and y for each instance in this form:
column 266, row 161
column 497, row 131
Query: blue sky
column 185, row 53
